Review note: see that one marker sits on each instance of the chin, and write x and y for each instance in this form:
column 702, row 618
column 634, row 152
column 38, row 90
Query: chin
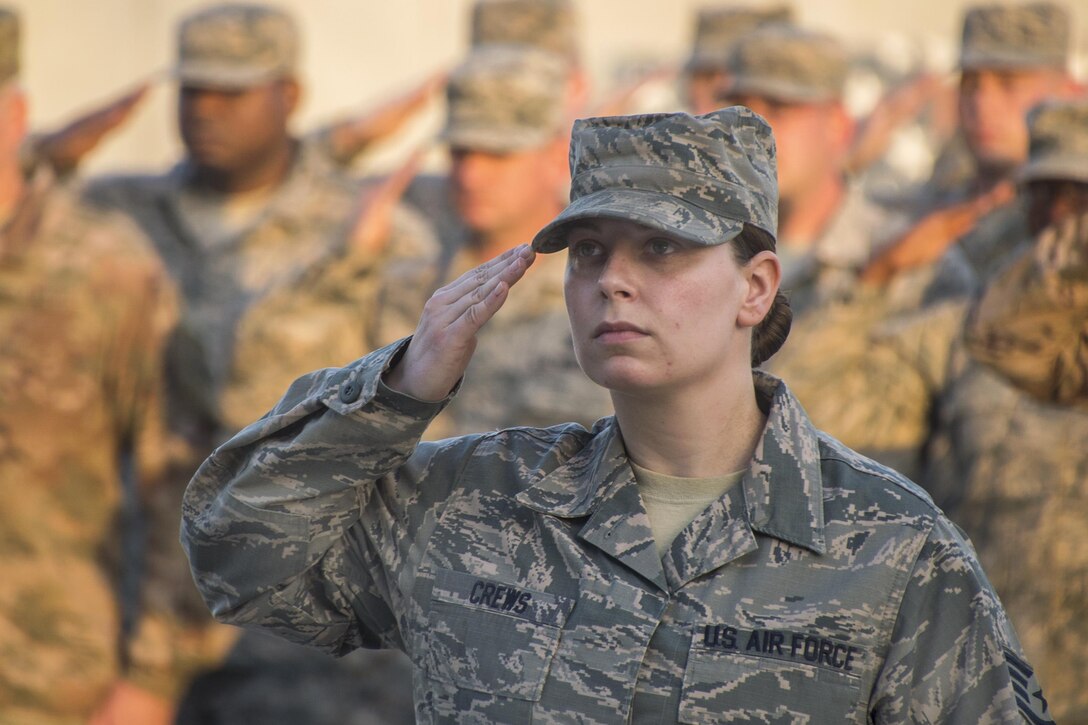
column 622, row 376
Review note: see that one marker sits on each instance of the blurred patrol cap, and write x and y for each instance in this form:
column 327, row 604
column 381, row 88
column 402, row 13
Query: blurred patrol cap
column 1015, row 36
column 701, row 178
column 237, row 46
column 9, row 45
column 505, row 98
column 1059, row 142
column 718, row 29
column 549, row 25
column 789, row 64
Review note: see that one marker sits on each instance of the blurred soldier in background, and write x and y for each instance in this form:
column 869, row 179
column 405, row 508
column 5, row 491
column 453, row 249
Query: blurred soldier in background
column 882, row 400
column 85, row 307
column 1007, row 467
column 1011, row 58
column 827, row 229
column 247, row 217
column 506, row 131
column 717, row 30
column 549, row 26
column 279, row 272
column 795, row 79
column 1031, row 324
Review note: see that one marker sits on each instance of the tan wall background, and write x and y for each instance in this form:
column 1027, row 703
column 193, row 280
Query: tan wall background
column 357, row 52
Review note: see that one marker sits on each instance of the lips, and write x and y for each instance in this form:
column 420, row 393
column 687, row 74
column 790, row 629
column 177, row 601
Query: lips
column 617, row 331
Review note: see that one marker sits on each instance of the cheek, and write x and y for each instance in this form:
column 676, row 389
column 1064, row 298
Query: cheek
column 576, row 298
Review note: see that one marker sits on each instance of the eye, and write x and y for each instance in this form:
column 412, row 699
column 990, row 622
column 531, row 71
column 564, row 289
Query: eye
column 661, row 246
column 583, row 248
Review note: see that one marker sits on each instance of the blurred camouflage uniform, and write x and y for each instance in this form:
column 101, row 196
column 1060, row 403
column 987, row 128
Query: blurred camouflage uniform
column 1031, row 324
column 1011, row 467
column 1005, row 466
column 85, row 308
column 285, row 291
column 505, row 99
column 519, row 571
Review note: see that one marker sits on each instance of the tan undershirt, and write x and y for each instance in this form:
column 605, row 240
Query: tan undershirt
column 672, row 503
column 218, row 218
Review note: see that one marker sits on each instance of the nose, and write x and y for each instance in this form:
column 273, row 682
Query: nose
column 618, row 277
column 985, row 98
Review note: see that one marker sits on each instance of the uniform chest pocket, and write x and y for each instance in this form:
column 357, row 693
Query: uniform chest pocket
column 771, row 676
column 492, row 636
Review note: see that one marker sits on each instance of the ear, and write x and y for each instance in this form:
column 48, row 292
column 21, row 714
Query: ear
column 292, row 95
column 843, row 127
column 13, row 116
column 763, row 273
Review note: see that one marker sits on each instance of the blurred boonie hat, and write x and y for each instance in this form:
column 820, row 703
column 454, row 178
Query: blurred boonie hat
column 9, row 45
column 701, row 178
column 237, row 46
column 789, row 64
column 1059, row 142
column 1015, row 36
column 549, row 25
column 505, row 98
column 717, row 29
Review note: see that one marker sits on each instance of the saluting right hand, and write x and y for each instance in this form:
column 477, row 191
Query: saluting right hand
column 66, row 148
column 445, row 338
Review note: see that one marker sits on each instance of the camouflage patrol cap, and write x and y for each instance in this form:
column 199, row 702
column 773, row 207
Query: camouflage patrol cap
column 701, row 178
column 718, row 29
column 1059, row 142
column 789, row 64
column 9, row 45
column 505, row 98
column 1015, row 36
column 549, row 25
column 237, row 46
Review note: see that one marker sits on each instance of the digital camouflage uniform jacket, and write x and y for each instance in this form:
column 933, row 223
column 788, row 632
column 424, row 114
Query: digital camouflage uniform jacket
column 519, row 573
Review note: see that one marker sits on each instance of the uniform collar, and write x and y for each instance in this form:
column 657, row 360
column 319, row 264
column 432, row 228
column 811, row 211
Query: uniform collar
column 783, row 488
column 781, row 496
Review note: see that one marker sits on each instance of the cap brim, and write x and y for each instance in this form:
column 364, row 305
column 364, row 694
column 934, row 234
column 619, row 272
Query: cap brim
column 1010, row 61
column 780, row 90
column 202, row 75
column 649, row 208
column 1072, row 167
column 496, row 140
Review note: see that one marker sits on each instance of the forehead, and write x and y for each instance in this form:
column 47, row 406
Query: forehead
column 1019, row 76
column 234, row 91
column 778, row 108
